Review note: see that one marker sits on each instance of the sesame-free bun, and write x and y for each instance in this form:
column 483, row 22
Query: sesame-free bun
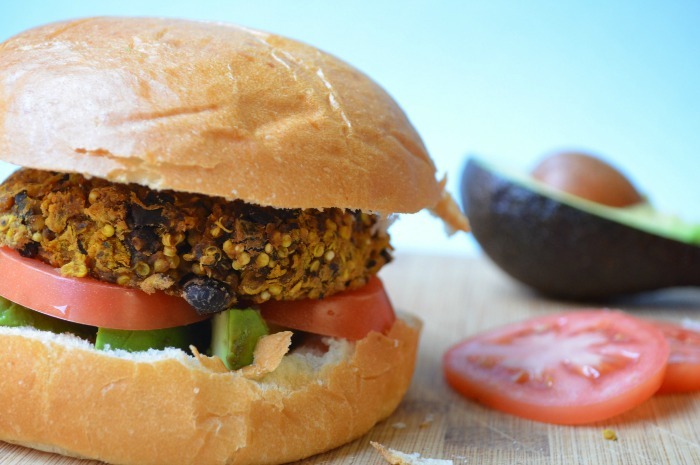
column 210, row 108
column 59, row 394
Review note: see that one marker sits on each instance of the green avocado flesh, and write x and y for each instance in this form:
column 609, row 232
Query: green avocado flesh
column 232, row 334
column 14, row 315
column 569, row 247
column 136, row 341
column 235, row 333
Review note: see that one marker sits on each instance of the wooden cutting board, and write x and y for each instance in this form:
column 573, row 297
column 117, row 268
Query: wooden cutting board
column 457, row 297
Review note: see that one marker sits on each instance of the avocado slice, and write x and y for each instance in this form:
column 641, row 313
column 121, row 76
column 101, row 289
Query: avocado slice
column 198, row 334
column 135, row 341
column 235, row 333
column 15, row 315
column 569, row 247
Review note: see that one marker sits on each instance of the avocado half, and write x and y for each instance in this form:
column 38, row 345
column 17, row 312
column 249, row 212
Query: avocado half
column 572, row 248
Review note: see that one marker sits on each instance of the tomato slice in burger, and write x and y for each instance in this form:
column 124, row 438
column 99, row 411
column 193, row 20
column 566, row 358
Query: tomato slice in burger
column 683, row 369
column 570, row 368
column 38, row 286
column 349, row 314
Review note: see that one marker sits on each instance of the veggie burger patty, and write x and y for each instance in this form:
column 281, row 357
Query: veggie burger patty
column 214, row 252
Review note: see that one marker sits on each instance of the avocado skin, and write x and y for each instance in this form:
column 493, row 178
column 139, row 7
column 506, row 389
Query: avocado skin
column 565, row 252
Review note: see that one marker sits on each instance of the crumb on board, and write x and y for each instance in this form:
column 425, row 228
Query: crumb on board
column 395, row 457
column 399, row 425
column 427, row 421
column 609, row 434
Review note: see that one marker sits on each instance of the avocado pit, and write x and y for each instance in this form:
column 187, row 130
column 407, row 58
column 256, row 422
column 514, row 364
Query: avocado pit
column 588, row 177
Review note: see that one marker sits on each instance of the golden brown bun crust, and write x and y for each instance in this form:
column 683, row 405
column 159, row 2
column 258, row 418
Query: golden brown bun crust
column 77, row 401
column 210, row 108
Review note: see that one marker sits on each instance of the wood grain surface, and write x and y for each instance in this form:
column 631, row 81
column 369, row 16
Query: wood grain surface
column 457, row 297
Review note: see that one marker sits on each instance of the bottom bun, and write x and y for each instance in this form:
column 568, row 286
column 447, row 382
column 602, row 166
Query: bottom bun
column 58, row 394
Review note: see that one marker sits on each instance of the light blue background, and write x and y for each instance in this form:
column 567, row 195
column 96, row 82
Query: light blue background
column 507, row 80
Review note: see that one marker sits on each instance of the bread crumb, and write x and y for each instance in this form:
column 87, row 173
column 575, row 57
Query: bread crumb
column 609, row 434
column 399, row 425
column 268, row 354
column 214, row 364
column 395, row 457
column 427, row 421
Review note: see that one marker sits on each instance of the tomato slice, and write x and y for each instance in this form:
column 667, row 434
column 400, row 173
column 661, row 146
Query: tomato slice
column 38, row 286
column 569, row 368
column 349, row 314
column 683, row 368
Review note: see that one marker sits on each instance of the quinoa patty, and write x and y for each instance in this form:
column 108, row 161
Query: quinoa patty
column 137, row 237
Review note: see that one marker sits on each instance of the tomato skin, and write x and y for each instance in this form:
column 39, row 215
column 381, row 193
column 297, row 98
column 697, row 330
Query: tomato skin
column 40, row 287
column 349, row 314
column 569, row 368
column 683, row 368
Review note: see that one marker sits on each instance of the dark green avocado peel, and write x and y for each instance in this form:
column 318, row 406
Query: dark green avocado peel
column 568, row 247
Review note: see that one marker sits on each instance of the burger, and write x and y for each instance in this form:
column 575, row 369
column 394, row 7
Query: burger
column 189, row 250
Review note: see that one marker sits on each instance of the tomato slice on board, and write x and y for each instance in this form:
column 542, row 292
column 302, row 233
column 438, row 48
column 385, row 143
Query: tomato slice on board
column 38, row 286
column 349, row 314
column 683, row 368
column 569, row 368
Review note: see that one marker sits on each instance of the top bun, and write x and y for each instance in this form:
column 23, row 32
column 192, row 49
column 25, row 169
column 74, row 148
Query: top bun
column 209, row 108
